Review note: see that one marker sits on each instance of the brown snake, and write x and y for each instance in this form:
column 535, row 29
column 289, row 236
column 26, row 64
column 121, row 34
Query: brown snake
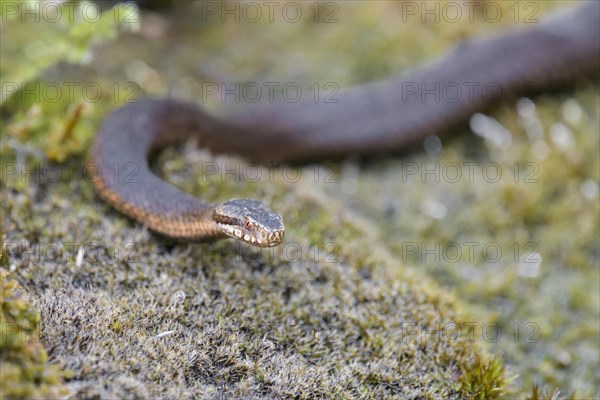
column 372, row 118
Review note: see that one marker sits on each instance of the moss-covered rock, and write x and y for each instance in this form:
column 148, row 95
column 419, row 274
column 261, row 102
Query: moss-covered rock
column 341, row 310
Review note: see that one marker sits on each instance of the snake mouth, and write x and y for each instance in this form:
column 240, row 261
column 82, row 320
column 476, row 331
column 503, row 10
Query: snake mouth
column 256, row 237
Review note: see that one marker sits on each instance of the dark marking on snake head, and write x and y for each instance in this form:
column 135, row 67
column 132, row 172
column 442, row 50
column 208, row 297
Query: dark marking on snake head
column 250, row 221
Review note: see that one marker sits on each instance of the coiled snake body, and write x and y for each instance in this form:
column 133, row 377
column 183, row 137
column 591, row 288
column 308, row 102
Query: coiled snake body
column 372, row 118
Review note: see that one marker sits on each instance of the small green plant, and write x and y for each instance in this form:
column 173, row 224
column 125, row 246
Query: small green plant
column 484, row 379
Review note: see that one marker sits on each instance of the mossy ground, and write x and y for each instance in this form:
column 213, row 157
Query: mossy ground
column 332, row 313
column 23, row 360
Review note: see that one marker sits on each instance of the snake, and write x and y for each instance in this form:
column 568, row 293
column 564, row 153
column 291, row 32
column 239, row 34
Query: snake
column 372, row 118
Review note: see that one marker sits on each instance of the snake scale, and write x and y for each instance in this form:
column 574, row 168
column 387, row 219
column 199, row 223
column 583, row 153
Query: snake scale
column 371, row 118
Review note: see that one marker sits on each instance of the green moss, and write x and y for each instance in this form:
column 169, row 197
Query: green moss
column 484, row 379
column 227, row 320
column 45, row 34
column 52, row 114
column 23, row 361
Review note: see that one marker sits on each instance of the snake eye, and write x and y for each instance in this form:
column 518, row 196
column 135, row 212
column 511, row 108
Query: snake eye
column 249, row 225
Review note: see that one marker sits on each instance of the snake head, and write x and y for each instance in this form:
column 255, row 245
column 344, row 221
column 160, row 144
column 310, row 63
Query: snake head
column 249, row 221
